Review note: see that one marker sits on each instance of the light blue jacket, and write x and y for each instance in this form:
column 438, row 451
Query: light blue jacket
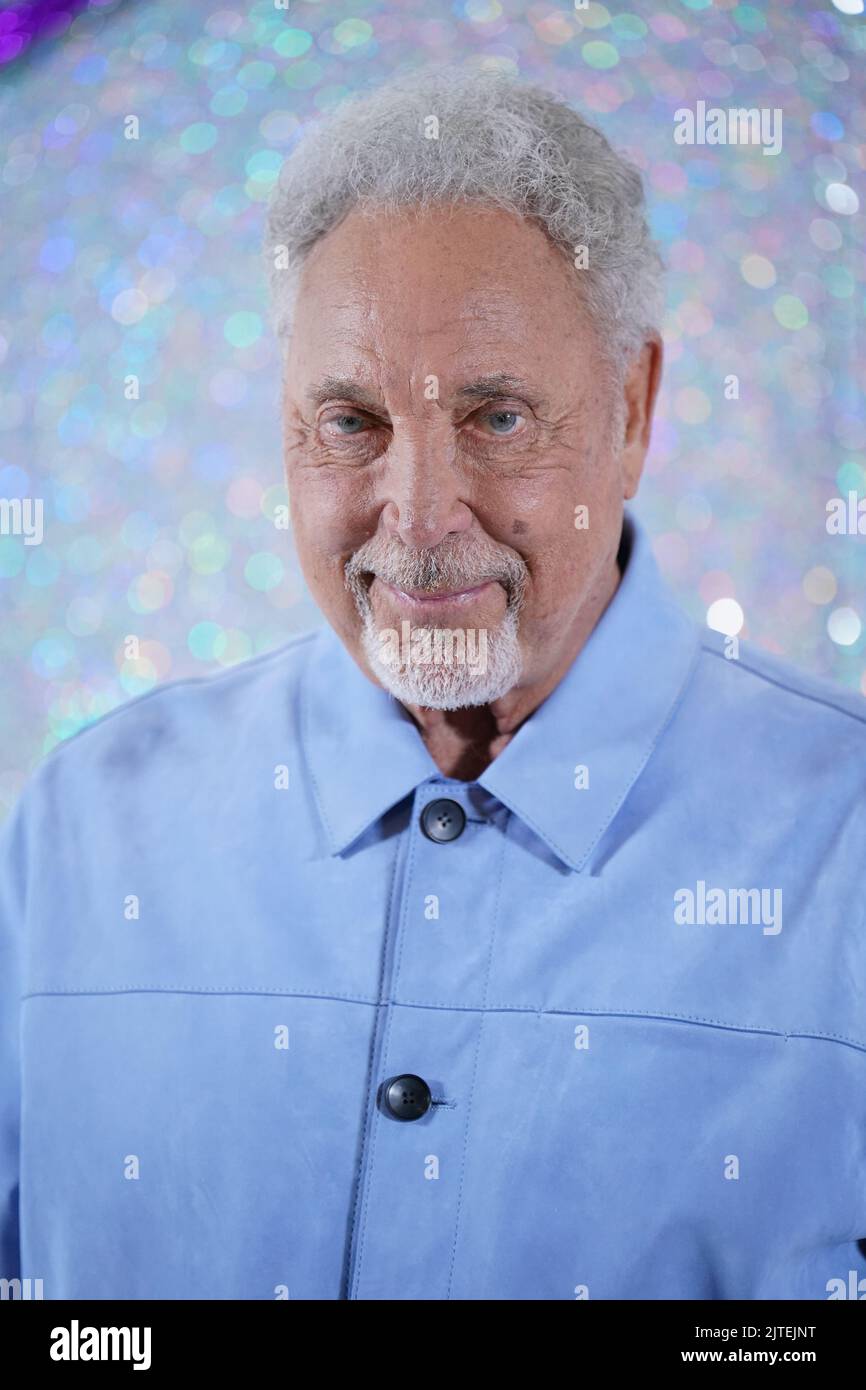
column 631, row 992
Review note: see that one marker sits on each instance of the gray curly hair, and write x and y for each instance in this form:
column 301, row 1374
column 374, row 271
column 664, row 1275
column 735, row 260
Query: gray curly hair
column 499, row 141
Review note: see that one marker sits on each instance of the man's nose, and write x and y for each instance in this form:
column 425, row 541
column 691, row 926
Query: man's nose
column 423, row 498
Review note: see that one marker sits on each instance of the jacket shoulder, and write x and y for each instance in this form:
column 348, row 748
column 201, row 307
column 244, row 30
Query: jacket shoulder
column 206, row 713
column 771, row 686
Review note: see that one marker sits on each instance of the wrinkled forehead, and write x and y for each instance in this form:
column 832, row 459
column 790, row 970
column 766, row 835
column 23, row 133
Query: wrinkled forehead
column 463, row 285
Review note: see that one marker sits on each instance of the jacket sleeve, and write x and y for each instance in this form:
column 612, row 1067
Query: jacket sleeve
column 12, row 908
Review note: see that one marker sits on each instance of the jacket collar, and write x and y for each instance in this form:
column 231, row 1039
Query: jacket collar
column 606, row 714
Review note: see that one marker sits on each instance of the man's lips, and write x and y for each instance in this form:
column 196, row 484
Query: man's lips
column 422, row 597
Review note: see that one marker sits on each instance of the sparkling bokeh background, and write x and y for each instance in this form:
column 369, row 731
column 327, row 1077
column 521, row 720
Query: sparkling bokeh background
column 140, row 258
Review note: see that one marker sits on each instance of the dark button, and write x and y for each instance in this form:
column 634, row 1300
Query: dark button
column 406, row 1097
column 443, row 820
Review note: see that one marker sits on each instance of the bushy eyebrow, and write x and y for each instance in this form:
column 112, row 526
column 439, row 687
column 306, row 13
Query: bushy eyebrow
column 499, row 386
column 341, row 388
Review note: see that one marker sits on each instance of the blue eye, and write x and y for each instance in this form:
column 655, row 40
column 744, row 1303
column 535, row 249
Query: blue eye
column 504, row 415
column 338, row 420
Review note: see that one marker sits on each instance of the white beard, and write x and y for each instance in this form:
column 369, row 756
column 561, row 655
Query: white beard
column 446, row 684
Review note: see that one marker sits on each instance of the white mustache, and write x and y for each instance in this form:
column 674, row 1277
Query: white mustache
column 447, row 568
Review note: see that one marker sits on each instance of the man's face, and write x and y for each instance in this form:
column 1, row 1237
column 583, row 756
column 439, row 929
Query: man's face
column 445, row 414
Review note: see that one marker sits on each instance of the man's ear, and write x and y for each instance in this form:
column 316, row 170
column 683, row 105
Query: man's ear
column 640, row 392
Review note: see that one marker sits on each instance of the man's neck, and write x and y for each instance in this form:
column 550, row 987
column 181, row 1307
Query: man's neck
column 463, row 742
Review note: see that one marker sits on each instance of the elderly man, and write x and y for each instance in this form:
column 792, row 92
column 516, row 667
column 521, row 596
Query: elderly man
column 502, row 938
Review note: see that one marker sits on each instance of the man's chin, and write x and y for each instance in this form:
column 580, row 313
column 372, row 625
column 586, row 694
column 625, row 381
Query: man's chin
column 438, row 694
column 448, row 685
